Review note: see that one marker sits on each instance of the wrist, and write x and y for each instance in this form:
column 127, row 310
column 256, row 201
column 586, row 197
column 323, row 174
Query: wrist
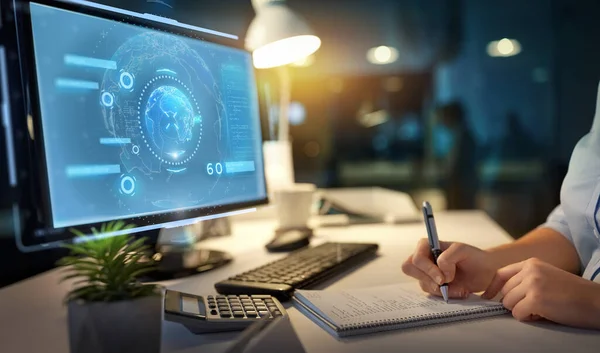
column 498, row 257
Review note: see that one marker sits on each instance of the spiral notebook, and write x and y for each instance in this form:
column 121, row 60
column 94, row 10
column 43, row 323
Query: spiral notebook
column 399, row 306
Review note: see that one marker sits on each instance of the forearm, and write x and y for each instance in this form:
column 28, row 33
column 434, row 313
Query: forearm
column 595, row 314
column 543, row 243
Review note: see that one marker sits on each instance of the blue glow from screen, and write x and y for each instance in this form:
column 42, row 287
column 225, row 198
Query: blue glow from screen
column 139, row 122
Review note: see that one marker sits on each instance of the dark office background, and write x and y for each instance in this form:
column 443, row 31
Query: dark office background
column 445, row 121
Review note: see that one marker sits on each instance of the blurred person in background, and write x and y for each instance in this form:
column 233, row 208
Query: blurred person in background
column 459, row 156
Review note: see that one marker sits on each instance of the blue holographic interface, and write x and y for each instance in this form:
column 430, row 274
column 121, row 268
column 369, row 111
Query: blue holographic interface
column 139, row 122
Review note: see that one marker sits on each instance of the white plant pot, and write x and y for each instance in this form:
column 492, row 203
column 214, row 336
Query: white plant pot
column 129, row 326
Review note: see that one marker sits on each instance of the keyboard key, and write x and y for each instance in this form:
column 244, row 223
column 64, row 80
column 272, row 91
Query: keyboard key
column 238, row 313
column 226, row 313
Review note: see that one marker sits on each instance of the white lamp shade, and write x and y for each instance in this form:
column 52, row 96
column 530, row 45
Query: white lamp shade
column 277, row 36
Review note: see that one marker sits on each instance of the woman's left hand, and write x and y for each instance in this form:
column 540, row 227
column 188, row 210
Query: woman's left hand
column 533, row 289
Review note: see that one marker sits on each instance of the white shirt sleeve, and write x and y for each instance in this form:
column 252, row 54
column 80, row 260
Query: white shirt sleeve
column 558, row 221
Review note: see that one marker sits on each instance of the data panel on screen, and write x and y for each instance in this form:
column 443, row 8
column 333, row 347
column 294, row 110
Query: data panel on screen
column 138, row 122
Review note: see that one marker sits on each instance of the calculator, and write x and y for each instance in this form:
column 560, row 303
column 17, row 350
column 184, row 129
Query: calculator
column 219, row 313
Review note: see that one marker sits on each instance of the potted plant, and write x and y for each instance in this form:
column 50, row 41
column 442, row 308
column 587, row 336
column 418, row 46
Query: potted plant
column 109, row 309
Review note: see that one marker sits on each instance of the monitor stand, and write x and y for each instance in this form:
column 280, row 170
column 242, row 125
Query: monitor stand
column 178, row 255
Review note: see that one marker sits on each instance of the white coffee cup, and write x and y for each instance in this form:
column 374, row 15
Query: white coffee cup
column 294, row 205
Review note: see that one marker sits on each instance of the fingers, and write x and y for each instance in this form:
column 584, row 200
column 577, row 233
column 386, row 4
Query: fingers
column 428, row 285
column 512, row 283
column 514, row 296
column 454, row 253
column 411, row 270
column 523, row 310
column 423, row 260
column 499, row 280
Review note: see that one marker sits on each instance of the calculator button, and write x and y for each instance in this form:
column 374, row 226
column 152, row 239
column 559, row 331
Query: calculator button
column 261, row 307
column 213, row 312
column 257, row 301
column 221, row 301
column 243, row 296
column 210, row 297
column 248, row 307
column 246, row 301
column 251, row 313
column 220, row 297
column 238, row 313
column 263, row 313
column 261, row 296
column 277, row 313
column 225, row 313
column 212, row 306
column 232, row 296
column 223, row 307
column 236, row 307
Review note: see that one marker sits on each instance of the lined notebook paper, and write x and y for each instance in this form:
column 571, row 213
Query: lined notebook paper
column 398, row 306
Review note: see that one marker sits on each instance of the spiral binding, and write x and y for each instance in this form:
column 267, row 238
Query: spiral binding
column 420, row 320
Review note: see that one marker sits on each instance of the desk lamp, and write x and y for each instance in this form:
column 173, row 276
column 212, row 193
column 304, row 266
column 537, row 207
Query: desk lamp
column 278, row 37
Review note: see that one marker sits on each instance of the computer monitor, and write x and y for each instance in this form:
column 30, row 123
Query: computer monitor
column 130, row 117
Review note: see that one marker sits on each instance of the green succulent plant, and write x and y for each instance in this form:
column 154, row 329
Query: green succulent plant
column 107, row 268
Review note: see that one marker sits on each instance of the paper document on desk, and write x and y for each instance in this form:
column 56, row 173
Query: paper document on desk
column 383, row 308
column 368, row 205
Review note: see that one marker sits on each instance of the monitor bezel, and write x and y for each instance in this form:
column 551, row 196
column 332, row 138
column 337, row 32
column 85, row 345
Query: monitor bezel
column 39, row 229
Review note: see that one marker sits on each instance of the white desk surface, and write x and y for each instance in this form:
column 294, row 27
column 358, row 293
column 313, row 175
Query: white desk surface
column 33, row 319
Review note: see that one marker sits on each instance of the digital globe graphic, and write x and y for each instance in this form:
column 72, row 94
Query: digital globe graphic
column 169, row 118
column 155, row 104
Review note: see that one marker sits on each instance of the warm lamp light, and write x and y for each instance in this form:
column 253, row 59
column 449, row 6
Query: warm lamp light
column 277, row 36
column 285, row 51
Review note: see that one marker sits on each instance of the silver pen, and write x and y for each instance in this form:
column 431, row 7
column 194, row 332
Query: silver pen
column 434, row 242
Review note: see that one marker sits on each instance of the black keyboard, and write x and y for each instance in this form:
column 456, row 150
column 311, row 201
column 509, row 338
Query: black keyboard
column 299, row 269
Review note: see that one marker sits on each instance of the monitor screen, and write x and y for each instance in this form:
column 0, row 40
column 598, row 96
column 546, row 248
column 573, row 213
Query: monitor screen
column 138, row 122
